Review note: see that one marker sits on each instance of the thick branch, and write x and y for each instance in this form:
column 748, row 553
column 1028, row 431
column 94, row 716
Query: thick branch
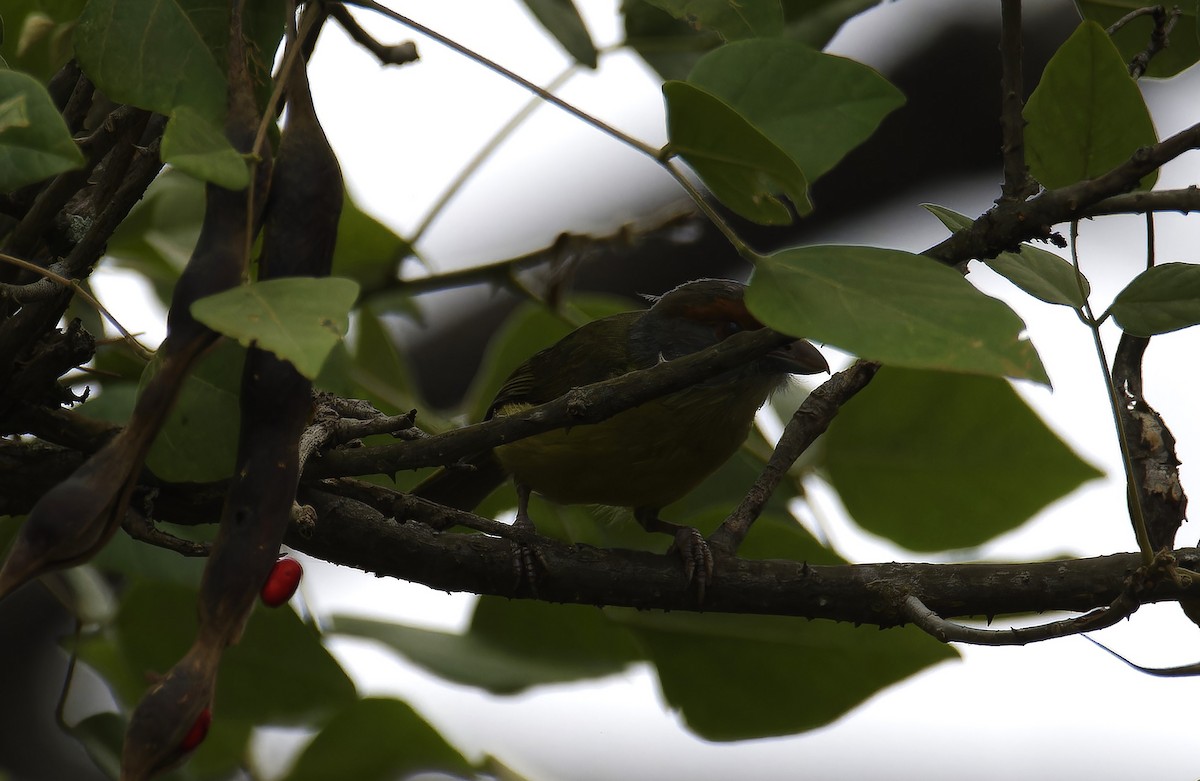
column 353, row 534
column 1008, row 224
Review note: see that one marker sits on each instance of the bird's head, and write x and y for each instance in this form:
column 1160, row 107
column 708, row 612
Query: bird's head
column 702, row 313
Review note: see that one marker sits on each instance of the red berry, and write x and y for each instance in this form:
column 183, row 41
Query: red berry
column 199, row 729
column 282, row 582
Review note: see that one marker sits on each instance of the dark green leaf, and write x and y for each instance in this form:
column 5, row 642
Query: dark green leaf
column 731, row 19
column 278, row 674
column 164, row 55
column 34, row 141
column 742, row 167
column 891, row 306
column 376, row 740
column 504, row 664
column 938, row 461
column 198, row 441
column 196, row 146
column 1160, row 299
column 561, row 19
column 299, row 319
column 814, row 106
column 1087, row 115
column 1134, row 37
column 790, row 674
column 1039, row 273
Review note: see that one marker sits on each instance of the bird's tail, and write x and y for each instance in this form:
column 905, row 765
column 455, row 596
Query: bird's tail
column 464, row 485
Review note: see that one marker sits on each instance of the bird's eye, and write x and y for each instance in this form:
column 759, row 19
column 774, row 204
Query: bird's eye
column 728, row 328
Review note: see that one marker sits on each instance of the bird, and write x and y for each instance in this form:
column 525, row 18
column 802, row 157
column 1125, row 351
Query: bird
column 646, row 457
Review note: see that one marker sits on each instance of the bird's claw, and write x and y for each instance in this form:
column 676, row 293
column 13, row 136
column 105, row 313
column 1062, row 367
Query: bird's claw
column 693, row 549
column 527, row 564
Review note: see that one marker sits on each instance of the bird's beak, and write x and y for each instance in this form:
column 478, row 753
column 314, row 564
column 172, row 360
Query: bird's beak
column 799, row 357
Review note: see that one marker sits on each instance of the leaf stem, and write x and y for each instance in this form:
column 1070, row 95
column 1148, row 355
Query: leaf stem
column 1114, row 400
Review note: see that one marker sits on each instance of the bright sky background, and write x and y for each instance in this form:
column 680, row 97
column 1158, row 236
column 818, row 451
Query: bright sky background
column 1055, row 709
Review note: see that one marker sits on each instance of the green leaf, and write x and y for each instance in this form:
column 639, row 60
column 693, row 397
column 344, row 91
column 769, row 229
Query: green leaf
column 1134, row 37
column 790, row 674
column 377, row 739
column 164, row 54
column 891, row 306
column 1039, row 273
column 198, row 441
column 1162, row 298
column 741, row 166
column 299, row 319
column 34, row 141
column 37, row 35
column 367, row 251
column 157, row 238
column 814, row 106
column 731, row 19
column 279, row 673
column 561, row 19
column 492, row 657
column 156, row 55
column 1087, row 115
column 938, row 461
column 197, row 147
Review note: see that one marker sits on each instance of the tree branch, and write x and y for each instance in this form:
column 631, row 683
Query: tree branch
column 353, row 534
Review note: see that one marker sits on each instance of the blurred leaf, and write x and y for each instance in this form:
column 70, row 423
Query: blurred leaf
column 937, row 461
column 1041, row 274
column 367, row 251
column 299, row 319
column 158, row 236
column 113, row 405
column 195, row 146
column 891, row 306
column 561, row 19
column 102, row 736
column 498, row 660
column 278, row 674
column 738, row 677
column 1087, row 115
column 380, row 371
column 34, row 141
column 129, row 557
column 814, row 106
column 731, row 19
column 198, row 441
column 1134, row 37
column 37, row 35
column 741, row 166
column 1162, row 298
column 376, row 740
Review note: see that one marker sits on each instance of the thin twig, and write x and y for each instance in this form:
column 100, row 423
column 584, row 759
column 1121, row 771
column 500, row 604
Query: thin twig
column 496, row 67
column 396, row 54
column 485, row 152
column 15, row 291
column 1017, row 183
column 950, row 632
column 811, row 420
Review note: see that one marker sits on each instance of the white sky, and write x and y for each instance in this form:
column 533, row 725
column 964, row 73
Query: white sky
column 1056, row 709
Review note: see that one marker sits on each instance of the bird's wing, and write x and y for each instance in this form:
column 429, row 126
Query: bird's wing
column 591, row 353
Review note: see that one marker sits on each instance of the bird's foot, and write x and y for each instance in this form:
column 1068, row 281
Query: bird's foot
column 527, row 562
column 692, row 548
